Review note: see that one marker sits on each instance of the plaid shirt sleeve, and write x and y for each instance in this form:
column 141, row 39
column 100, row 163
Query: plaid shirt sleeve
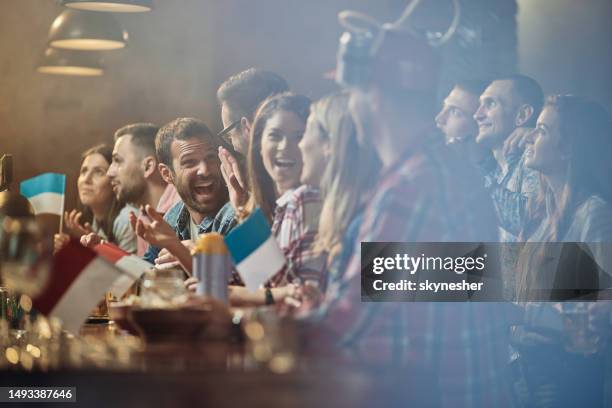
column 295, row 227
column 466, row 343
column 343, row 313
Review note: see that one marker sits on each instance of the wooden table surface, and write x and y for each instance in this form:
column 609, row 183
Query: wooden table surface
column 221, row 374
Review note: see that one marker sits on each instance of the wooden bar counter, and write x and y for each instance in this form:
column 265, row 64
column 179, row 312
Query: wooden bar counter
column 223, row 374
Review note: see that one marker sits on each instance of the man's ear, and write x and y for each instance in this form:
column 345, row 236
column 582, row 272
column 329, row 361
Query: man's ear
column 245, row 128
column 166, row 173
column 149, row 164
column 523, row 115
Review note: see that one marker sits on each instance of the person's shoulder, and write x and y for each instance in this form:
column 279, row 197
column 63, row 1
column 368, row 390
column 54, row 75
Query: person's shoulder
column 416, row 174
column 595, row 206
column 168, row 199
column 225, row 219
column 592, row 221
column 305, row 193
column 125, row 211
column 123, row 217
column 174, row 212
column 226, row 211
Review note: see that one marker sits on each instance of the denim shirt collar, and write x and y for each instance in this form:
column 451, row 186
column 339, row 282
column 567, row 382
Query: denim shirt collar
column 178, row 217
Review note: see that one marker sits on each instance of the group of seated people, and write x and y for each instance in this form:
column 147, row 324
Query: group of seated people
column 364, row 165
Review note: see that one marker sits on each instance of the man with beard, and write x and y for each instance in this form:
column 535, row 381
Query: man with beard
column 188, row 159
column 134, row 174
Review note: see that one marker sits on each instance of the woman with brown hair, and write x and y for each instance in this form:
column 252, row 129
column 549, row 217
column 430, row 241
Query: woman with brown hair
column 275, row 164
column 571, row 149
column 99, row 210
column 561, row 358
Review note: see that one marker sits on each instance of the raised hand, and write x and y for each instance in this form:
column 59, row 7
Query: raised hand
column 151, row 226
column 72, row 220
column 59, row 241
column 515, row 143
column 167, row 257
column 236, row 185
column 91, row 240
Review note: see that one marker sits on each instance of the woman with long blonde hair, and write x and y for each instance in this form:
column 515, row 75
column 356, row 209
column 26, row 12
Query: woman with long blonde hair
column 350, row 172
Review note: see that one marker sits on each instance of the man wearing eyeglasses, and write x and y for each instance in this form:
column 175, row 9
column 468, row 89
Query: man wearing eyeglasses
column 239, row 97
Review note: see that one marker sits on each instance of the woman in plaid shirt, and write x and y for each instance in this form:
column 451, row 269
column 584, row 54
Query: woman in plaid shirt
column 275, row 164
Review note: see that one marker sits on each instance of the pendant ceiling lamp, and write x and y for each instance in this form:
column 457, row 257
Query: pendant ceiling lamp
column 115, row 6
column 67, row 62
column 83, row 30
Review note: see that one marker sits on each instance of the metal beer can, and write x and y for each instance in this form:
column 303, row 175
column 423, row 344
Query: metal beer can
column 212, row 266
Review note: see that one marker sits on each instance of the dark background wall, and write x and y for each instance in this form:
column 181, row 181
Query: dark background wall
column 567, row 44
column 179, row 53
column 176, row 58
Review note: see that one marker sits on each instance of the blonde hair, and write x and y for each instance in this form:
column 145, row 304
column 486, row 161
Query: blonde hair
column 344, row 185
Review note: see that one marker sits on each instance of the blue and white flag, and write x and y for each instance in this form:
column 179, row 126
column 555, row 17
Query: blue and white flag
column 45, row 193
column 254, row 250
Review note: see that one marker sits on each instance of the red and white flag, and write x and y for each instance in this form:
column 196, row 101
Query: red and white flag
column 78, row 280
column 132, row 266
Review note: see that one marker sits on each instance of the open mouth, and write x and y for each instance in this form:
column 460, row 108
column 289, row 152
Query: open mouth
column 204, row 188
column 284, row 163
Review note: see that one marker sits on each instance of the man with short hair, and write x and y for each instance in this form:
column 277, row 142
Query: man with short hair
column 239, row 97
column 509, row 108
column 456, row 119
column 134, row 174
column 188, row 159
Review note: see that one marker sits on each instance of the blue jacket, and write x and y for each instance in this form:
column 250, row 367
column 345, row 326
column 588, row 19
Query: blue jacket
column 178, row 217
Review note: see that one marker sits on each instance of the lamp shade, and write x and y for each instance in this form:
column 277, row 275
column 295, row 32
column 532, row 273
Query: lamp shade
column 67, row 62
column 83, row 30
column 116, row 6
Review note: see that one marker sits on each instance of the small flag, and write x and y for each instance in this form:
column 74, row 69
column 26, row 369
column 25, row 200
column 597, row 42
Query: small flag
column 132, row 266
column 45, row 193
column 79, row 278
column 254, row 250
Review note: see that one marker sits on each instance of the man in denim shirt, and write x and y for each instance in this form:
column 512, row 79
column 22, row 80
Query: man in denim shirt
column 187, row 151
column 508, row 108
